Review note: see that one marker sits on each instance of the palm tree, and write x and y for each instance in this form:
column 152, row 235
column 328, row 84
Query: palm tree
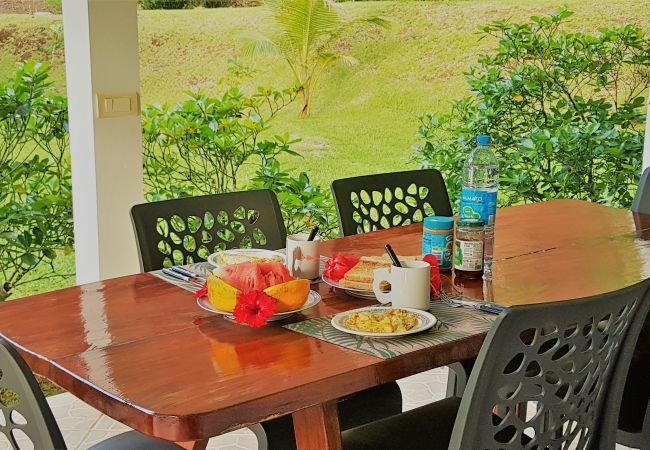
column 306, row 31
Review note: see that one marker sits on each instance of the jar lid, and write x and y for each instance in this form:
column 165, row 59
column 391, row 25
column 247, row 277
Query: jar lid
column 471, row 223
column 439, row 222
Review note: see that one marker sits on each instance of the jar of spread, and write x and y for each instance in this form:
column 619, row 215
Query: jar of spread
column 438, row 239
column 468, row 257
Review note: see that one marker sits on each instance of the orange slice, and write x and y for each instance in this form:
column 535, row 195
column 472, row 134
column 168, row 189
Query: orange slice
column 290, row 295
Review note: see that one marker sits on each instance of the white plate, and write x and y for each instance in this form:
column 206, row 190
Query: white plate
column 361, row 293
column 256, row 252
column 426, row 320
column 312, row 300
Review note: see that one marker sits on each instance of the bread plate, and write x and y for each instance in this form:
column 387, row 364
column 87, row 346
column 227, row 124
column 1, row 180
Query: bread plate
column 425, row 320
column 216, row 259
column 361, row 293
column 312, row 300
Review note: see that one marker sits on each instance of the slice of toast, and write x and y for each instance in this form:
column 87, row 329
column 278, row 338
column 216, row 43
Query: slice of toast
column 362, row 272
column 355, row 285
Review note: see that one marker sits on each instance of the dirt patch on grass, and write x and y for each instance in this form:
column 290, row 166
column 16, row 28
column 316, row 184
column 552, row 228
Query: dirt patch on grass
column 24, row 6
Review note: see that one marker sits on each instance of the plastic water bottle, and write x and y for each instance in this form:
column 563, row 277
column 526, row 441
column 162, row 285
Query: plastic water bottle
column 478, row 198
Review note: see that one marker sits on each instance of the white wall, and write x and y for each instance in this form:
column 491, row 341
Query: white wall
column 101, row 52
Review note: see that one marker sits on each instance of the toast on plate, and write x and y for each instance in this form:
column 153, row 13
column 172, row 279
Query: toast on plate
column 360, row 276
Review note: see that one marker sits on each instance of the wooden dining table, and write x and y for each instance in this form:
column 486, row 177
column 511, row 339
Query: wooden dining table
column 140, row 350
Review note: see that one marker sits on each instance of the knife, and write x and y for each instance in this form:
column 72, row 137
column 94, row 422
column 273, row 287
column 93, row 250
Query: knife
column 178, row 276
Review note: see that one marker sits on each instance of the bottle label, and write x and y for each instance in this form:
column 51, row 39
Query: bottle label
column 439, row 245
column 469, row 256
column 478, row 204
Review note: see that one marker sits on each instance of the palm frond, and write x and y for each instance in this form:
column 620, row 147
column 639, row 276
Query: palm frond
column 305, row 24
column 256, row 43
column 346, row 60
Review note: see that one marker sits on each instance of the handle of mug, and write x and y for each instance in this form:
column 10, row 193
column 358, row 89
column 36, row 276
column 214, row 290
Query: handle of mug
column 296, row 256
column 381, row 275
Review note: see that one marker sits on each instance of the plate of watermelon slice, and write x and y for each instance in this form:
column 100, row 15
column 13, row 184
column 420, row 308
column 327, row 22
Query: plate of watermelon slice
column 312, row 300
column 228, row 284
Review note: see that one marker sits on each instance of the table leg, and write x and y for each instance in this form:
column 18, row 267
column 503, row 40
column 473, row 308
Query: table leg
column 194, row 445
column 317, row 427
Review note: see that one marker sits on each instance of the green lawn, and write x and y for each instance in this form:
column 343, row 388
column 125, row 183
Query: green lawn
column 365, row 117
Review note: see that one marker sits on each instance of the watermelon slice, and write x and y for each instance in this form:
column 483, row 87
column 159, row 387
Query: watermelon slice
column 249, row 276
column 274, row 273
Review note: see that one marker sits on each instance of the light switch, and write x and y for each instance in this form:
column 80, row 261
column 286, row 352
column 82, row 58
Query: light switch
column 108, row 105
column 122, row 105
column 117, row 105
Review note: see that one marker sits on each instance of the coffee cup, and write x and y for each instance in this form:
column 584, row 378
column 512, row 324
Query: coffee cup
column 303, row 256
column 409, row 285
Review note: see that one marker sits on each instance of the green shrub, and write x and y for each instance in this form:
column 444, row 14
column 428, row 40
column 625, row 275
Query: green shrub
column 200, row 145
column 565, row 111
column 165, row 4
column 304, row 204
column 35, row 188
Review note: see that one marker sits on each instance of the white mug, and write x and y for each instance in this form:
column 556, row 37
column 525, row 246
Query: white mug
column 409, row 285
column 303, row 256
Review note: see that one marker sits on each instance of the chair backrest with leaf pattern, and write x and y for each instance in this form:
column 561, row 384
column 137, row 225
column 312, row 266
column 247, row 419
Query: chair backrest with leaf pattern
column 188, row 230
column 569, row 359
column 25, row 414
column 375, row 202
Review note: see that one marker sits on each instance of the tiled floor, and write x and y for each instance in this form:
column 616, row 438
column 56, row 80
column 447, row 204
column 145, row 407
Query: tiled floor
column 83, row 426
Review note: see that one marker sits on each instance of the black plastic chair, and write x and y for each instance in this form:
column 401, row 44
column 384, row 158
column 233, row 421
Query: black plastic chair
column 374, row 202
column 569, row 358
column 27, row 417
column 641, row 203
column 187, row 230
column 634, row 418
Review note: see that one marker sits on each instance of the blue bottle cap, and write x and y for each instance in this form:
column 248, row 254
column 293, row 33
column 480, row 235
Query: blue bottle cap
column 439, row 223
column 483, row 139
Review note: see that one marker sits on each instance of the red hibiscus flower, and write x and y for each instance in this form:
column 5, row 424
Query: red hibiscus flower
column 336, row 267
column 435, row 281
column 201, row 292
column 254, row 308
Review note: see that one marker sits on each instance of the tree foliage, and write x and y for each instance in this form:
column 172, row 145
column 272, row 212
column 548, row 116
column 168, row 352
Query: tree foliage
column 35, row 188
column 565, row 110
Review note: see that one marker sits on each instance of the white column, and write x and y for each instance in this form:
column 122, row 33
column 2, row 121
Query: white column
column 646, row 142
column 101, row 56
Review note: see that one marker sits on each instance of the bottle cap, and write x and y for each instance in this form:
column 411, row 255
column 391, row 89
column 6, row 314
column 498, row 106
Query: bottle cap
column 439, row 223
column 470, row 223
column 483, row 139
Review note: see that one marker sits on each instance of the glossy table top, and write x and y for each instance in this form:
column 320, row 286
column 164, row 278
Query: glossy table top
column 139, row 349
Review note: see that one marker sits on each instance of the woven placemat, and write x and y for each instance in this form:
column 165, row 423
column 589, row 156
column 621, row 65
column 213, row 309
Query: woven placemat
column 453, row 323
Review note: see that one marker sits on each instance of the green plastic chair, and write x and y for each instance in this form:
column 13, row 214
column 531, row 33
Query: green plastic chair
column 568, row 358
column 375, row 202
column 27, row 417
column 188, row 230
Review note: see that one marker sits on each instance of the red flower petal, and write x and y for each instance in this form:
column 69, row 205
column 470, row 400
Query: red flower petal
column 435, row 281
column 201, row 292
column 254, row 308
